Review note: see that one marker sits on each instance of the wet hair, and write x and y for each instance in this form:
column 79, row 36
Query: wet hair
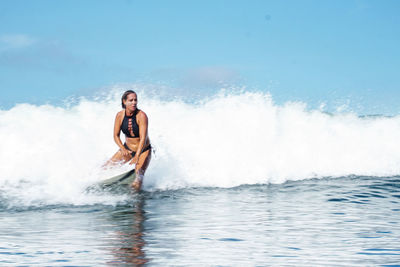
column 125, row 96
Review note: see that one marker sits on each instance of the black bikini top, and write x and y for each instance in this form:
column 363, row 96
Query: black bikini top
column 129, row 125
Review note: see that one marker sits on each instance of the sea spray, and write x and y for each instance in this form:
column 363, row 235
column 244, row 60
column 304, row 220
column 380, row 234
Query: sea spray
column 50, row 154
column 235, row 139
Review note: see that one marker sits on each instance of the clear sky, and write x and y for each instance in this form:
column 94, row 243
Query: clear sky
column 332, row 51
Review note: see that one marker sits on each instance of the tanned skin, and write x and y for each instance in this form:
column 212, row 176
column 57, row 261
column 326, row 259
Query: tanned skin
column 135, row 144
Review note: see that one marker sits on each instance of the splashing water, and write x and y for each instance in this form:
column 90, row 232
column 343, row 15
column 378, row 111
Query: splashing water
column 50, row 154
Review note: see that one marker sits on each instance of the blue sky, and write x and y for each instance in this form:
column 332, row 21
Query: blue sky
column 335, row 52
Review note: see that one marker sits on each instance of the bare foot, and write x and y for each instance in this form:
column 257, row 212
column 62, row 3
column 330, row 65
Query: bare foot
column 136, row 185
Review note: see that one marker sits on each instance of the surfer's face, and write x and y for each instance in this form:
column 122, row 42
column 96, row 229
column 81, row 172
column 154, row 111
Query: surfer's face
column 131, row 102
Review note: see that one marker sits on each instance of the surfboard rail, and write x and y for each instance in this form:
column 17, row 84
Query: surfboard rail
column 120, row 181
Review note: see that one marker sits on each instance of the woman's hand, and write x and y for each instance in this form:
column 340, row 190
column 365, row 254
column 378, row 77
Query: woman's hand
column 125, row 152
column 134, row 160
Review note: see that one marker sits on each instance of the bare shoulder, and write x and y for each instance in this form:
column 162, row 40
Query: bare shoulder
column 142, row 116
column 120, row 115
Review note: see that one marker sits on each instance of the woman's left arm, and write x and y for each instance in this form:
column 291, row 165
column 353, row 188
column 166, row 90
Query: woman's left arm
column 143, row 125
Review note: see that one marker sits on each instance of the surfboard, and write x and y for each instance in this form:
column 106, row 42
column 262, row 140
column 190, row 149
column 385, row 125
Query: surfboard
column 120, row 181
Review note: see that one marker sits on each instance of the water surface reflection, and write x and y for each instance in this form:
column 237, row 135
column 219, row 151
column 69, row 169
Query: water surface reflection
column 128, row 242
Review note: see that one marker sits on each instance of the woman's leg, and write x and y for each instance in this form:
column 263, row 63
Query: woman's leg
column 140, row 169
column 117, row 158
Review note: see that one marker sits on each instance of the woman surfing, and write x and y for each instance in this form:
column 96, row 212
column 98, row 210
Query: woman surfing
column 133, row 123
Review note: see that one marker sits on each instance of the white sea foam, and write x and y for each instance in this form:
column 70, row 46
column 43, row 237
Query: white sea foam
column 49, row 154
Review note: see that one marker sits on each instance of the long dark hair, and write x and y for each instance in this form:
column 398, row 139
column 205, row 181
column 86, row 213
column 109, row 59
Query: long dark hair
column 125, row 96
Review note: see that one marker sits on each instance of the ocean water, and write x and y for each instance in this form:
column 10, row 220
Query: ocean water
column 235, row 180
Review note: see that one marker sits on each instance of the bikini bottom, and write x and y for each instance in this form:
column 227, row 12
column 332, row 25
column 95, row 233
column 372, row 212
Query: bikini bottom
column 134, row 152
